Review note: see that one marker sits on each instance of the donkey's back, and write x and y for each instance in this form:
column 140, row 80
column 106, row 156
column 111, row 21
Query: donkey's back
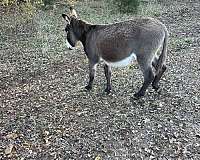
column 119, row 40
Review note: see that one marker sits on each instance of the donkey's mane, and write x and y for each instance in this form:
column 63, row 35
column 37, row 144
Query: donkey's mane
column 81, row 24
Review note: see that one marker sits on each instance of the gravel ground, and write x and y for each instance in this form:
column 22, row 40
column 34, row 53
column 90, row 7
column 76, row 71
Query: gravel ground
column 46, row 113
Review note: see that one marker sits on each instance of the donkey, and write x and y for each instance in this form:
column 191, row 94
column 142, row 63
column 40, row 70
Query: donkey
column 118, row 44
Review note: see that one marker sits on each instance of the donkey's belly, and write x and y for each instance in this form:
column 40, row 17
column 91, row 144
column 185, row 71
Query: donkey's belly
column 122, row 63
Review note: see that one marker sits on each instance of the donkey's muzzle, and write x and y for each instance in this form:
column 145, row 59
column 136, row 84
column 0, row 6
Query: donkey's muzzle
column 69, row 45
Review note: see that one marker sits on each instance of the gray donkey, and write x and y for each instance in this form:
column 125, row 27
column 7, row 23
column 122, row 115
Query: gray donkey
column 118, row 44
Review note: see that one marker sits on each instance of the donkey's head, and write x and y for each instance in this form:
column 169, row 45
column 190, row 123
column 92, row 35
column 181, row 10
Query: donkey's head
column 71, row 37
column 75, row 28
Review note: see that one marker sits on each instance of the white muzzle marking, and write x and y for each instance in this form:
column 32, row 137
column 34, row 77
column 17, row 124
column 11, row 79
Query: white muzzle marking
column 69, row 45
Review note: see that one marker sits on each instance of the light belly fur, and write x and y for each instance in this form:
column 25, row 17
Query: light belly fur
column 122, row 63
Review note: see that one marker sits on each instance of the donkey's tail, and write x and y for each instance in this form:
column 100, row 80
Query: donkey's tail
column 163, row 56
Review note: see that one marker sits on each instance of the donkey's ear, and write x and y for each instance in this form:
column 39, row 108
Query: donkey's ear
column 66, row 17
column 73, row 12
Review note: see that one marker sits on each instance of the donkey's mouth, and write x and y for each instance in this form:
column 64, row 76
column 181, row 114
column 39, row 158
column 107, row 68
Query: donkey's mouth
column 69, row 45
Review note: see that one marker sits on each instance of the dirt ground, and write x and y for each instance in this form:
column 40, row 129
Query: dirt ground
column 46, row 114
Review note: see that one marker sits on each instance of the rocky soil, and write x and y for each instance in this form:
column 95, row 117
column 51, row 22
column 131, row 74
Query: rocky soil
column 46, row 114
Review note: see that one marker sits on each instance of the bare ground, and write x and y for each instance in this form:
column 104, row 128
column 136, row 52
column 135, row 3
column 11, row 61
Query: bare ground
column 46, row 113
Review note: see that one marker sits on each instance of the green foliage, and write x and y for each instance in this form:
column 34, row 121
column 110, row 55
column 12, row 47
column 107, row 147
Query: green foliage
column 8, row 2
column 48, row 2
column 33, row 2
column 127, row 6
column 28, row 8
column 181, row 43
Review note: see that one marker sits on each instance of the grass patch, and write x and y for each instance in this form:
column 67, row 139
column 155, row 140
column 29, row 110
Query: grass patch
column 181, row 43
column 42, row 31
column 104, row 12
column 150, row 9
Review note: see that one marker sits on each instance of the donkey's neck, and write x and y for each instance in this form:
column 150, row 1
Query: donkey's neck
column 83, row 37
column 85, row 28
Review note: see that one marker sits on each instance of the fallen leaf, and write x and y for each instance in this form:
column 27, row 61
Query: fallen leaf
column 98, row 158
column 9, row 149
column 46, row 133
column 46, row 140
column 12, row 136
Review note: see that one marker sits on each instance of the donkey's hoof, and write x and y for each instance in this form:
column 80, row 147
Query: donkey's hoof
column 139, row 95
column 88, row 87
column 108, row 90
column 156, row 87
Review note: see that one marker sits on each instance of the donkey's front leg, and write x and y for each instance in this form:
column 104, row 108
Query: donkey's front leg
column 92, row 71
column 107, row 70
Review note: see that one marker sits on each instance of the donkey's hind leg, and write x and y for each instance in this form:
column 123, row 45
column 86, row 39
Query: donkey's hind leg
column 155, row 62
column 159, row 75
column 148, row 76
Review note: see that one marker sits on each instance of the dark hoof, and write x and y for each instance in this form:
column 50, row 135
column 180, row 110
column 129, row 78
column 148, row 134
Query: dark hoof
column 88, row 87
column 108, row 90
column 156, row 88
column 138, row 95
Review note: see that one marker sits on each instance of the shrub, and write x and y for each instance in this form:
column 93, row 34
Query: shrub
column 18, row 2
column 48, row 2
column 7, row 2
column 127, row 6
